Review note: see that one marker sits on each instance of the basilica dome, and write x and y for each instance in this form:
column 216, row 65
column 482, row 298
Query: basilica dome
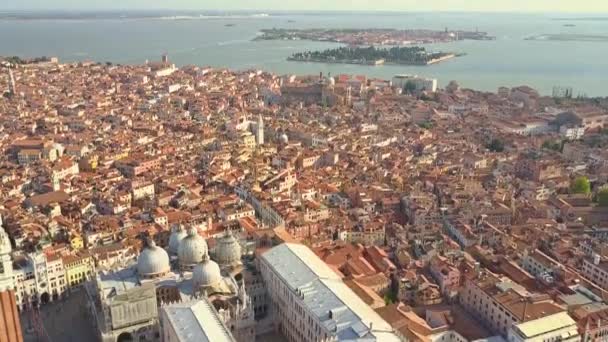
column 153, row 261
column 228, row 250
column 284, row 138
column 177, row 235
column 206, row 274
column 191, row 250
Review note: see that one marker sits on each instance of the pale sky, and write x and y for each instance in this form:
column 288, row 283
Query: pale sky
column 588, row 6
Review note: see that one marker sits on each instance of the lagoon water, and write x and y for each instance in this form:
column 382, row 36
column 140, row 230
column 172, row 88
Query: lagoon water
column 510, row 60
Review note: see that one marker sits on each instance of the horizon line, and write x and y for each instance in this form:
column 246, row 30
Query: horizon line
column 298, row 10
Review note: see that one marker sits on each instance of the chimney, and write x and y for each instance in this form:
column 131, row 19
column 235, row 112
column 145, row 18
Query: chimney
column 596, row 259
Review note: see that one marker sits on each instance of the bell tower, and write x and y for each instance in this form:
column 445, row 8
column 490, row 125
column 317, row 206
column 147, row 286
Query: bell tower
column 12, row 88
column 260, row 130
column 6, row 263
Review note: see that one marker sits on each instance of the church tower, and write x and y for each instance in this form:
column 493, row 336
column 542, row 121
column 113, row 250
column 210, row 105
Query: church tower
column 6, row 263
column 10, row 326
column 12, row 88
column 260, row 130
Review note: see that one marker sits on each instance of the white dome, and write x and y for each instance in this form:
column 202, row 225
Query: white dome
column 206, row 274
column 228, row 250
column 191, row 249
column 177, row 235
column 284, row 138
column 152, row 261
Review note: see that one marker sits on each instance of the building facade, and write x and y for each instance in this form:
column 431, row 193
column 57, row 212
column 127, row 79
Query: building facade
column 419, row 83
column 502, row 305
column 596, row 270
column 556, row 327
column 309, row 302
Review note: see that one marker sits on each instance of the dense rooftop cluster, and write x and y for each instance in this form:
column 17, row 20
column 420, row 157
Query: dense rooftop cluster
column 438, row 209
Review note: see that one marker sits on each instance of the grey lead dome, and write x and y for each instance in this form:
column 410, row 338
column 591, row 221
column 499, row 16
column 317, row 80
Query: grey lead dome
column 191, row 250
column 228, row 250
column 153, row 261
column 177, row 235
column 206, row 274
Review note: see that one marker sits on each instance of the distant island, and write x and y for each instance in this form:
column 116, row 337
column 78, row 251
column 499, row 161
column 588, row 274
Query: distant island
column 373, row 56
column 128, row 15
column 372, row 36
column 16, row 60
column 569, row 37
column 583, row 19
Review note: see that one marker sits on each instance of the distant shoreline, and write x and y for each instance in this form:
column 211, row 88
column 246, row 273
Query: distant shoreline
column 372, row 36
column 582, row 19
column 569, row 38
column 374, row 63
column 128, row 15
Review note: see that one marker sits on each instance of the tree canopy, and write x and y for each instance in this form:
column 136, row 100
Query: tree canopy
column 399, row 55
column 426, row 125
column 496, row 145
column 409, row 87
column 554, row 145
column 580, row 185
column 602, row 197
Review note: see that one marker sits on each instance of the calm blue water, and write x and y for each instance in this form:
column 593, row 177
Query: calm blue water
column 508, row 61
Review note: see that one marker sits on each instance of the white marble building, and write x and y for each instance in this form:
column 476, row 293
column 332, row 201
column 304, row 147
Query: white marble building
column 127, row 303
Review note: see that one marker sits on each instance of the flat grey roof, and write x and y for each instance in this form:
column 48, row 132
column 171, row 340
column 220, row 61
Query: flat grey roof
column 197, row 321
column 325, row 295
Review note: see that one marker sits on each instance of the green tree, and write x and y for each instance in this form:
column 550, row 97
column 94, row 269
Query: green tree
column 602, row 197
column 390, row 297
column 387, row 299
column 496, row 145
column 425, row 97
column 581, row 185
column 409, row 87
column 426, row 125
column 552, row 145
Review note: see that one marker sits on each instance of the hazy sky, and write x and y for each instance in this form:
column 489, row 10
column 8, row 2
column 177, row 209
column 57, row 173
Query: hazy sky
column 383, row 5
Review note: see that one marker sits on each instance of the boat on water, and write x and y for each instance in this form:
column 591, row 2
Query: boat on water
column 229, row 25
column 569, row 25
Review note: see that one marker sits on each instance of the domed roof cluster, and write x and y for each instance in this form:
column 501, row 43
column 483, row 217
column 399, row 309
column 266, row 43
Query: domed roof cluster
column 153, row 261
column 177, row 235
column 192, row 253
column 206, row 274
column 228, row 250
column 191, row 250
